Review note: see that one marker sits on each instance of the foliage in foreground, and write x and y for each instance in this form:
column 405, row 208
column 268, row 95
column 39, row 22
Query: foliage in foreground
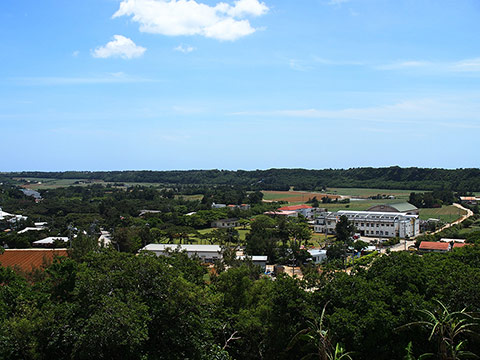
column 110, row 305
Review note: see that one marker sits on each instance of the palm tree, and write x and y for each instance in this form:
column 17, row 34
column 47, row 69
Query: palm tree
column 410, row 356
column 319, row 337
column 446, row 328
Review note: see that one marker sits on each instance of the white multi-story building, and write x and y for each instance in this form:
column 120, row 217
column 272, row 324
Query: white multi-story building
column 373, row 224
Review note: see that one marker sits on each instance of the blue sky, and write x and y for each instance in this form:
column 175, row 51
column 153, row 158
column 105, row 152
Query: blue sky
column 157, row 84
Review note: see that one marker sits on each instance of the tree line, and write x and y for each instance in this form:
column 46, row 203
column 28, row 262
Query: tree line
column 105, row 304
column 460, row 180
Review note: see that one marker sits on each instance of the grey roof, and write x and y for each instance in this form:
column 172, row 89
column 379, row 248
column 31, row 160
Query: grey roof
column 188, row 247
column 404, row 206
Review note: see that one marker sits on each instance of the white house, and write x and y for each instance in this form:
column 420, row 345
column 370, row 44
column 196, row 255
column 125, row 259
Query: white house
column 318, row 255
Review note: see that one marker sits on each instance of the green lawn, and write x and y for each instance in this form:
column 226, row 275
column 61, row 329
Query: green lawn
column 448, row 213
column 360, row 192
column 196, row 240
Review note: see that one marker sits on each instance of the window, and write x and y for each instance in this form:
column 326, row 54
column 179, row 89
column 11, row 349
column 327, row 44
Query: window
column 361, row 224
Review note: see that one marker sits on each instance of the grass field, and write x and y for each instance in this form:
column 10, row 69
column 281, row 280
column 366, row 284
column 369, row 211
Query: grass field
column 294, row 196
column 448, row 213
column 58, row 183
column 365, row 193
column 190, row 197
column 196, row 240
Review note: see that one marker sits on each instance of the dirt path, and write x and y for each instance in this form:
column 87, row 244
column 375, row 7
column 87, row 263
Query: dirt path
column 464, row 217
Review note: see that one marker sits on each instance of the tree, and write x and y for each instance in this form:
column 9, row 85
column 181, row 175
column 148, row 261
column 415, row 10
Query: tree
column 319, row 340
column 345, row 230
column 448, row 330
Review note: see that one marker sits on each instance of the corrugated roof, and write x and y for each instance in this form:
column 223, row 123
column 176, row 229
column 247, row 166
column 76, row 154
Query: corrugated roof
column 431, row 245
column 295, row 207
column 402, row 207
column 458, row 245
column 29, row 259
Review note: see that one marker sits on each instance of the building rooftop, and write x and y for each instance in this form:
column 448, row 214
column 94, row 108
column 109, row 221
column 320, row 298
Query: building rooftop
column 314, row 252
column 281, row 212
column 188, row 247
column 468, row 198
column 400, row 207
column 51, row 240
column 29, row 259
column 375, row 213
column 431, row 245
column 4, row 214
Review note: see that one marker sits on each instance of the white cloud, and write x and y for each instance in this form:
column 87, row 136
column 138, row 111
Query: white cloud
column 76, row 53
column 120, row 46
column 244, row 8
column 184, row 48
column 189, row 17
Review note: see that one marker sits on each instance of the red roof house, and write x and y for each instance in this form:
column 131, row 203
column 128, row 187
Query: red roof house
column 434, row 246
column 29, row 259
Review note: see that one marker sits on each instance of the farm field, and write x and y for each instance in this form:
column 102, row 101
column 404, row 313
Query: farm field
column 365, row 193
column 294, row 196
column 446, row 214
column 190, row 197
column 359, row 205
column 47, row 183
column 336, row 193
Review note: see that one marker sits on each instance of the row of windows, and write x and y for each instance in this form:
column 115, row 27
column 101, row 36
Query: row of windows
column 372, row 225
column 377, row 232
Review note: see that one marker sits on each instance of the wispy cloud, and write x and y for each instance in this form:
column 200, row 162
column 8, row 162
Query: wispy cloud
column 299, row 65
column 120, row 46
column 436, row 111
column 186, row 49
column 111, row 78
column 467, row 65
column 337, row 2
column 186, row 18
column 315, row 61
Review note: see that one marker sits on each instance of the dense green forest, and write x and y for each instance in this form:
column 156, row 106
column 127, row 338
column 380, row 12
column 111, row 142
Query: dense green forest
column 461, row 180
column 111, row 305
